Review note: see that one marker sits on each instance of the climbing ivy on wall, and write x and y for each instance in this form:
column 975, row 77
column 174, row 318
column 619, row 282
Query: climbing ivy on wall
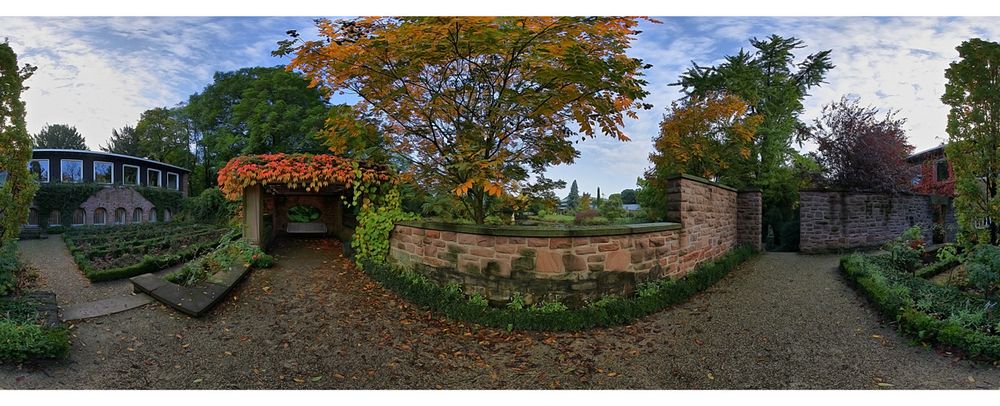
column 162, row 199
column 376, row 219
column 374, row 191
column 62, row 197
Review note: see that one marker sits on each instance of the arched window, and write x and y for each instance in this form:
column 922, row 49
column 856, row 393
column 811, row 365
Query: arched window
column 152, row 215
column 166, row 215
column 79, row 217
column 137, row 215
column 121, row 216
column 100, row 217
column 32, row 217
column 54, row 219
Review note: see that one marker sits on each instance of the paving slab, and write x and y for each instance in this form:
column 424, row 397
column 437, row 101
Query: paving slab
column 104, row 307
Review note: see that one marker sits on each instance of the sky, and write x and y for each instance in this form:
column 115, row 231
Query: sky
column 101, row 73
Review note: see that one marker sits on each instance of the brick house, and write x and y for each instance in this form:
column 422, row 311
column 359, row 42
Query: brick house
column 934, row 176
column 933, row 172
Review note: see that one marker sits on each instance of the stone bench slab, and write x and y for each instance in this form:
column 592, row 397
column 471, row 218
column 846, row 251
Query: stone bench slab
column 306, row 228
column 194, row 300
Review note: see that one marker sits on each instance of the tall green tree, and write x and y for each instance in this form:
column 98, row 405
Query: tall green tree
column 165, row 136
column 59, row 136
column 124, row 141
column 773, row 84
column 628, row 196
column 572, row 200
column 480, row 104
column 973, row 96
column 17, row 187
column 254, row 111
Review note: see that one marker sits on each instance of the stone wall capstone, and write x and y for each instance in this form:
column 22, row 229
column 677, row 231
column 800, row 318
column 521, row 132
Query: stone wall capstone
column 576, row 265
column 838, row 220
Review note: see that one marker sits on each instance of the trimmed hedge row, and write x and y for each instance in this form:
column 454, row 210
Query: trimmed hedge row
column 144, row 245
column 892, row 293
column 112, row 233
column 136, row 239
column 605, row 312
column 934, row 269
column 148, row 264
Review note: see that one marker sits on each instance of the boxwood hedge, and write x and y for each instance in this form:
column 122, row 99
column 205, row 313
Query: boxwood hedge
column 924, row 310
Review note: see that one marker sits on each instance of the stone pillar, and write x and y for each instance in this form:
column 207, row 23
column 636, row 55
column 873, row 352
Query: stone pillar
column 253, row 215
column 749, row 204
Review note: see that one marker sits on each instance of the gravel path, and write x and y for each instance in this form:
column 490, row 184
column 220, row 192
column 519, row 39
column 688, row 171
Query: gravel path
column 782, row 321
column 58, row 273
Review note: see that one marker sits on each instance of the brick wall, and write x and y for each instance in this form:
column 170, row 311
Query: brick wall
column 836, row 220
column 577, row 265
column 111, row 199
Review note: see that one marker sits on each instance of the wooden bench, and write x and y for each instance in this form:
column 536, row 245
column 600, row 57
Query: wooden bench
column 306, row 228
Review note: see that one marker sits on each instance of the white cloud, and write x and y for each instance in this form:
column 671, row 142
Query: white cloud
column 896, row 63
column 102, row 73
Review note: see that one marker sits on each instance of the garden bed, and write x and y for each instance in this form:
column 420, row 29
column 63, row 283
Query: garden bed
column 201, row 284
column 30, row 329
column 925, row 310
column 107, row 253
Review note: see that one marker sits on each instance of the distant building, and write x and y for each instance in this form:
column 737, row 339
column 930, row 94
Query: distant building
column 631, row 207
column 933, row 173
column 117, row 202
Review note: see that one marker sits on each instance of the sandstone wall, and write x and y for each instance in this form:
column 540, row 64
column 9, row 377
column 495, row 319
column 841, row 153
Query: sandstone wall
column 838, row 220
column 574, row 265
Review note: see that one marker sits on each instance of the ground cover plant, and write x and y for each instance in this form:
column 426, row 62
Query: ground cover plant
column 229, row 253
column 607, row 311
column 22, row 335
column 966, row 319
column 106, row 253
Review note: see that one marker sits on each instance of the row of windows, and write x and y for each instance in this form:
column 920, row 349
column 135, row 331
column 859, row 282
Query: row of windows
column 71, row 171
column 100, row 217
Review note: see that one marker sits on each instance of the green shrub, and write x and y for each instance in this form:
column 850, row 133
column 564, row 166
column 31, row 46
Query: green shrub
column 209, row 207
column 228, row 253
column 303, row 214
column 478, row 300
column 585, row 215
column 983, row 266
column 23, row 341
column 604, row 312
column 924, row 310
column 9, row 265
column 904, row 251
column 596, row 221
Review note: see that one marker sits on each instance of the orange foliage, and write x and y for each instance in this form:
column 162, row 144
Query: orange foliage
column 477, row 102
column 705, row 136
column 295, row 170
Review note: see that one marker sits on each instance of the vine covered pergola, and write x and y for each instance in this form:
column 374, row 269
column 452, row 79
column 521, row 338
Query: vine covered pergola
column 372, row 187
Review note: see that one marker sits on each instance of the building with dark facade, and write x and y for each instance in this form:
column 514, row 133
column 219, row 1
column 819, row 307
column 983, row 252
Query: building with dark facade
column 116, row 181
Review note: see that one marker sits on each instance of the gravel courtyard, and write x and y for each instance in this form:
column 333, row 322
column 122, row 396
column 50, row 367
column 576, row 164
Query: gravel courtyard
column 781, row 321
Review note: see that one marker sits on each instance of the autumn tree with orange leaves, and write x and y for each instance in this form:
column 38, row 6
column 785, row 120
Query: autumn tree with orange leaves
column 708, row 136
column 478, row 104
